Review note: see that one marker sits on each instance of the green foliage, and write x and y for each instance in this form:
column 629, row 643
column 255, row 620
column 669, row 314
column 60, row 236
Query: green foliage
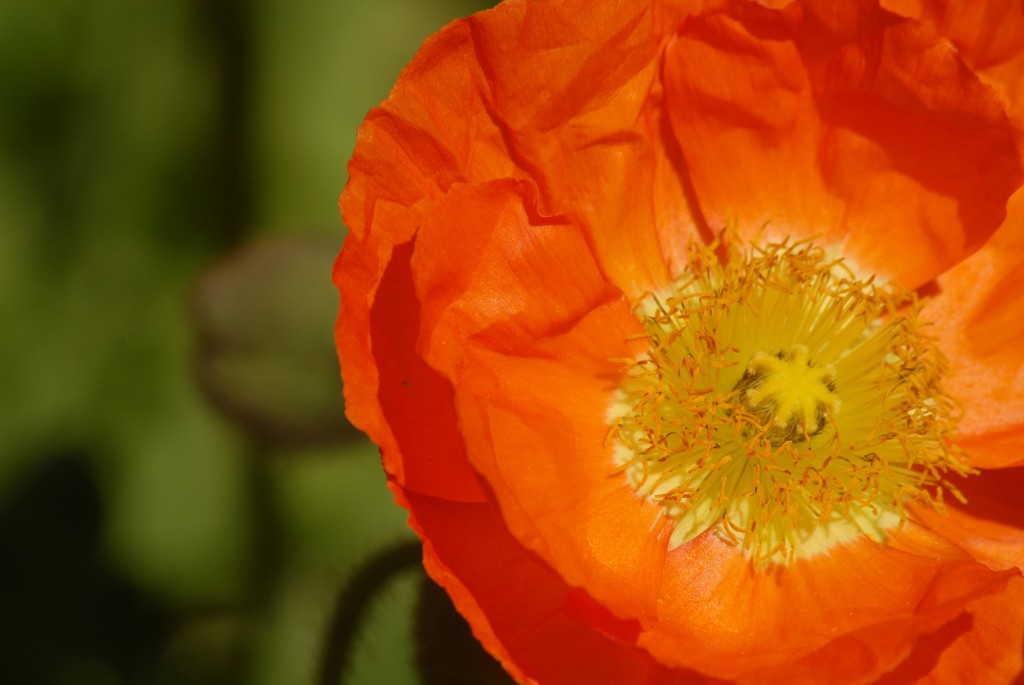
column 141, row 144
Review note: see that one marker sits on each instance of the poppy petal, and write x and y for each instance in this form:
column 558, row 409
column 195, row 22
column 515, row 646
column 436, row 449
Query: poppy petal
column 976, row 309
column 991, row 525
column 458, row 114
column 978, row 327
column 387, row 384
column 989, row 35
column 807, row 629
column 469, row 536
column 985, row 644
column 847, row 125
column 518, row 316
column 468, row 550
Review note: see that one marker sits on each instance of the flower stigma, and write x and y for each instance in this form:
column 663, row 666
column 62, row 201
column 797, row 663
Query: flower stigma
column 783, row 403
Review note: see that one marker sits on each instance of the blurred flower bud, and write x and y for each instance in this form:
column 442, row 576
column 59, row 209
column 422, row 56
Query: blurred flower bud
column 265, row 357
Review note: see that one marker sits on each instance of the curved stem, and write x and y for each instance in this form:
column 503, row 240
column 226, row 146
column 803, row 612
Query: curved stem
column 354, row 600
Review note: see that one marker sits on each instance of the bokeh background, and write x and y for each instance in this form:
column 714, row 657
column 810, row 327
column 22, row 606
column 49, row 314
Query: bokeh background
column 180, row 499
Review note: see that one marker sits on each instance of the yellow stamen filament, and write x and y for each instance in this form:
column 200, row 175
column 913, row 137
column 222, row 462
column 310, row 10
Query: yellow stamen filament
column 783, row 403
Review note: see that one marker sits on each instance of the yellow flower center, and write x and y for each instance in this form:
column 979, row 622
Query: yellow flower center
column 783, row 403
column 787, row 393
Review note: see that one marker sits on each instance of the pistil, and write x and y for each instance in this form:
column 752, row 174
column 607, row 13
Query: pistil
column 788, row 394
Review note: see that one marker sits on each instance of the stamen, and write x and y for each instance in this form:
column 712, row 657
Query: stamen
column 783, row 403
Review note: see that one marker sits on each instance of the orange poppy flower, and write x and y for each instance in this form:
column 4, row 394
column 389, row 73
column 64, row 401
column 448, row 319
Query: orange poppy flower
column 666, row 320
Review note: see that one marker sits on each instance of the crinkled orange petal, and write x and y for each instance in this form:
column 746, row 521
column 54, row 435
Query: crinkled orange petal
column 841, row 122
column 515, row 604
column 995, row 450
column 844, row 616
column 977, row 309
column 542, row 630
column 527, row 91
column 991, row 525
column 387, row 384
column 517, row 316
column 989, row 35
column 976, row 319
column 985, row 644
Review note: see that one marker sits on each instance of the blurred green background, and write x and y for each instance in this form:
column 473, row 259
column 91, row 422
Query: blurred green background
column 180, row 501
